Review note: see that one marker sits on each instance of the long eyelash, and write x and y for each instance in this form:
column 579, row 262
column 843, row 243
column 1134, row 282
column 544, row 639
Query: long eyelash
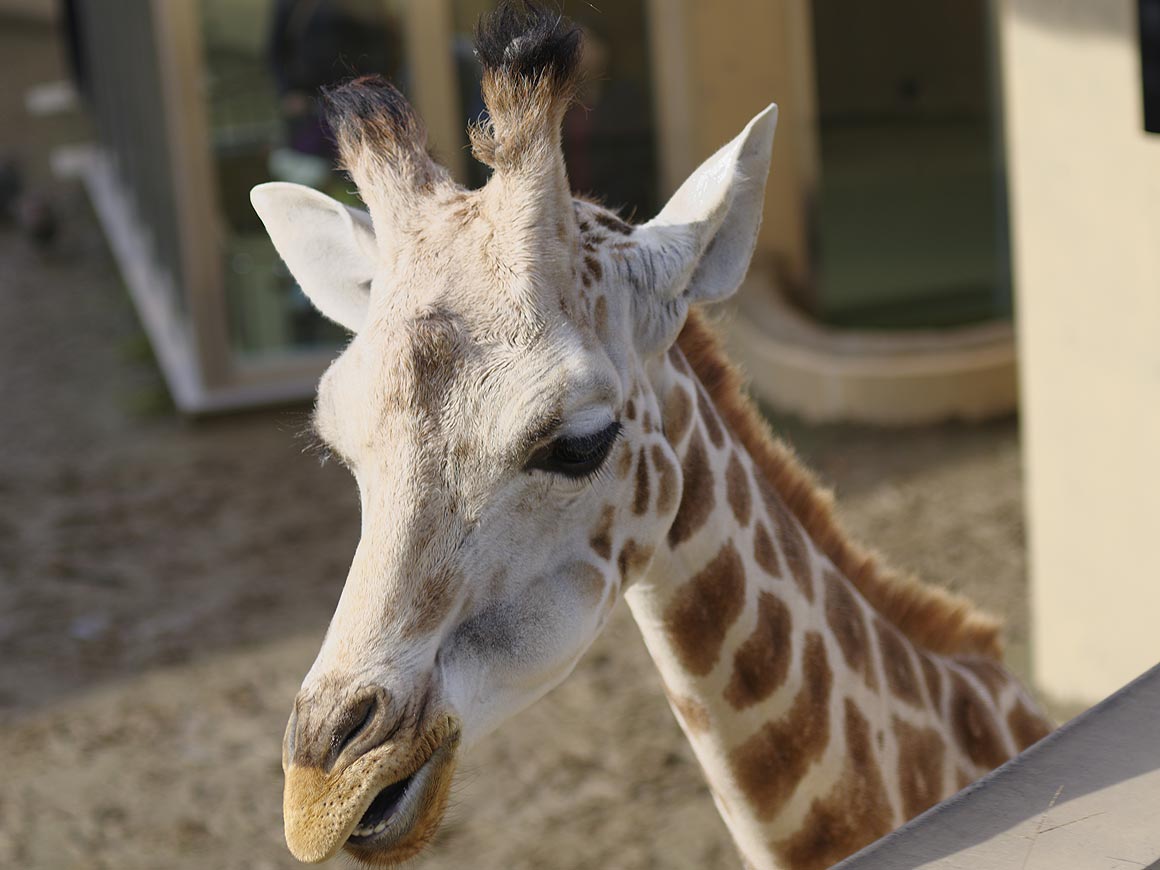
column 601, row 471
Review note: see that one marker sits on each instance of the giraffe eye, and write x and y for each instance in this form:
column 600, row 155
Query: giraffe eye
column 576, row 456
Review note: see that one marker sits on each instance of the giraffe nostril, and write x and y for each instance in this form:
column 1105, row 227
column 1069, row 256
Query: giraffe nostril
column 346, row 725
column 354, row 722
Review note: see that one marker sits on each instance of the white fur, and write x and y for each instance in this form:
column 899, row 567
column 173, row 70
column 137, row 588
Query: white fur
column 329, row 247
column 702, row 241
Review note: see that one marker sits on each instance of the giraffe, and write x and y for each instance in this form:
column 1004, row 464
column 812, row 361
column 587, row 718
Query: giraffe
column 540, row 421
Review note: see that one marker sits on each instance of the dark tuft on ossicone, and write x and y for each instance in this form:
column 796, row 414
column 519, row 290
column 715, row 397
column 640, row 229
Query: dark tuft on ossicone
column 527, row 40
column 370, row 110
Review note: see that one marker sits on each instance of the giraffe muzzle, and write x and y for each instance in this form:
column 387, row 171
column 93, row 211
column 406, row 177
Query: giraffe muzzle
column 383, row 807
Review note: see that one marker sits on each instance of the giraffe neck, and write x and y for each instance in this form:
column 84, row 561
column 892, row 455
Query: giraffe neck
column 819, row 725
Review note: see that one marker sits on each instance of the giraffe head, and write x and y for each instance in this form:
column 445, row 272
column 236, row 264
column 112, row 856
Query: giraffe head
column 492, row 406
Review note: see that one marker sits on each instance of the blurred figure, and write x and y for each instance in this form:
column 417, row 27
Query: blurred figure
column 11, row 188
column 312, row 44
column 39, row 220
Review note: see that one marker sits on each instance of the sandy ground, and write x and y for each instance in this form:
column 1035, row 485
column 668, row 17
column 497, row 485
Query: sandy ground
column 164, row 586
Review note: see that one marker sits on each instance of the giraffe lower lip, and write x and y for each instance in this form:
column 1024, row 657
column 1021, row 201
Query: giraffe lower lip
column 382, row 809
column 397, row 809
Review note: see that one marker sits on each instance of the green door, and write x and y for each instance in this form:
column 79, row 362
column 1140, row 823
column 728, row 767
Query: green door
column 910, row 218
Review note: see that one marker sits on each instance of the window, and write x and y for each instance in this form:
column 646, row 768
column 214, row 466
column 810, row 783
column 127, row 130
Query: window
column 265, row 61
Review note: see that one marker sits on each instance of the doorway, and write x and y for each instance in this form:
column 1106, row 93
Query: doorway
column 910, row 221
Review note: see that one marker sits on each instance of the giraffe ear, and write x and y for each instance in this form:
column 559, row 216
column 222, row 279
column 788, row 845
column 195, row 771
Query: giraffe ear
column 699, row 247
column 328, row 247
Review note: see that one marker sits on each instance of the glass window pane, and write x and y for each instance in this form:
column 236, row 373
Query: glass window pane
column 265, row 62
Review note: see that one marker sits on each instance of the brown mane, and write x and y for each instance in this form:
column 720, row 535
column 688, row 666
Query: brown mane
column 931, row 617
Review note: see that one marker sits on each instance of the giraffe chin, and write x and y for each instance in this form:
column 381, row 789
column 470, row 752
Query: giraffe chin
column 382, row 809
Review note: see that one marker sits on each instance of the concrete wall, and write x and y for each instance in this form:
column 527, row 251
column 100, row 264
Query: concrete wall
column 1085, row 191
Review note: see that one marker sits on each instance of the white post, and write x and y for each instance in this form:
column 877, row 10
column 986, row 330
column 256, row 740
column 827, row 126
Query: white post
column 1085, row 192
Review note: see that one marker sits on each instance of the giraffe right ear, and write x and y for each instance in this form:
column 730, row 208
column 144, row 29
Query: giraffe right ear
column 329, row 247
column 699, row 247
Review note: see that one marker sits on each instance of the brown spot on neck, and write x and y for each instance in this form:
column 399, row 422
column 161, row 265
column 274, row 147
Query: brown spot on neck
column 932, row 673
column 854, row 813
column 793, row 547
column 769, row 765
column 703, row 609
column 990, row 673
column 697, row 498
column 737, row 489
column 974, row 725
column 764, row 553
column 920, row 767
column 761, row 663
column 848, row 625
column 897, row 663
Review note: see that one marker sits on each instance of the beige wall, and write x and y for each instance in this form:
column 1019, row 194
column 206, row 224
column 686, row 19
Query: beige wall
column 1085, row 188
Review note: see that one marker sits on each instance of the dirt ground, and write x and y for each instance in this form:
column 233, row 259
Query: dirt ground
column 164, row 586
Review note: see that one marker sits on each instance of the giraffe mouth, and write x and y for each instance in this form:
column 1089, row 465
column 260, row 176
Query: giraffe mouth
column 404, row 816
column 383, row 809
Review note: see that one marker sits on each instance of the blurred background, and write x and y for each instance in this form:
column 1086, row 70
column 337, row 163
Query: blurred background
column 953, row 314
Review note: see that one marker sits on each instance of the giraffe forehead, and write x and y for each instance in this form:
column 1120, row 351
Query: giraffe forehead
column 507, row 279
column 437, row 379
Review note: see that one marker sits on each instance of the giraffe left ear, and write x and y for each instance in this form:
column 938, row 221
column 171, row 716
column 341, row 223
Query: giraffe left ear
column 329, row 247
column 699, row 247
